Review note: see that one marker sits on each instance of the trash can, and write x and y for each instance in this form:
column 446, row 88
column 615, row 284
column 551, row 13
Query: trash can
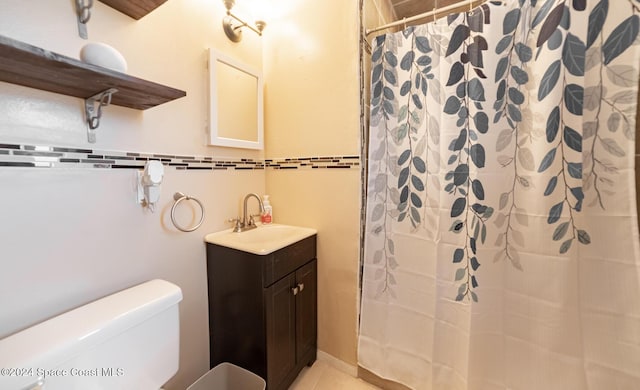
column 226, row 376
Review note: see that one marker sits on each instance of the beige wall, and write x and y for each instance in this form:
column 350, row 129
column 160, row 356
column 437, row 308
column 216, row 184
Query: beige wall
column 72, row 235
column 168, row 46
column 328, row 201
column 311, row 68
column 312, row 109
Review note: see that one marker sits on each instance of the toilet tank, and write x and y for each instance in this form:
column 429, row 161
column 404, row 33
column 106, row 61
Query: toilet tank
column 127, row 340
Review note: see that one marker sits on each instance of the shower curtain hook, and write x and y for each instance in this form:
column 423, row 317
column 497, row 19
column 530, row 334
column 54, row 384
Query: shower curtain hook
column 470, row 7
column 404, row 23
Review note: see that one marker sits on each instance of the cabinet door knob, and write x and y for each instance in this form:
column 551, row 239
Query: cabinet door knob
column 301, row 286
column 295, row 290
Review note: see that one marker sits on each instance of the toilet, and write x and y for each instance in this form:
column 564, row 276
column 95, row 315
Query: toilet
column 128, row 341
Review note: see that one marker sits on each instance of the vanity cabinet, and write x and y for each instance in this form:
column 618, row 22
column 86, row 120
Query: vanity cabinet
column 263, row 310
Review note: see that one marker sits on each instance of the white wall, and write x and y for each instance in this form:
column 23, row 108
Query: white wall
column 71, row 235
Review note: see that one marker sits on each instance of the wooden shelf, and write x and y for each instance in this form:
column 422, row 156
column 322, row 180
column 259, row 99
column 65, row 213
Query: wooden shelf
column 136, row 9
column 31, row 66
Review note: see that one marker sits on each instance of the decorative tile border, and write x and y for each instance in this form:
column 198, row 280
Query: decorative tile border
column 32, row 156
column 337, row 162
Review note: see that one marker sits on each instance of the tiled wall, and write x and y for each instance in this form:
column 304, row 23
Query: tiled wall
column 34, row 156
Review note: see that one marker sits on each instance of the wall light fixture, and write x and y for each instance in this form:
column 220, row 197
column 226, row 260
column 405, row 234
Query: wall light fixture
column 233, row 25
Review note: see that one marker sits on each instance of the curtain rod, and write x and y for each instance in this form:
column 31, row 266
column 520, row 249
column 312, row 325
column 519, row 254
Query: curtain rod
column 421, row 16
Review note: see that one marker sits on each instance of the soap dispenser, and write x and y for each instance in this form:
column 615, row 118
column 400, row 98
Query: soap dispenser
column 267, row 215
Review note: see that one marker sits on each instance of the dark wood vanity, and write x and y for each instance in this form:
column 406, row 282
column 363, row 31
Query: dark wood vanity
column 263, row 310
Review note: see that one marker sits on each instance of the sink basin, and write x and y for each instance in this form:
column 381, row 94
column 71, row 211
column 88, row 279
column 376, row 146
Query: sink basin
column 262, row 240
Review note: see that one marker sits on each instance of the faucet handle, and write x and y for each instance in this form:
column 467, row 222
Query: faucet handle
column 237, row 224
column 252, row 221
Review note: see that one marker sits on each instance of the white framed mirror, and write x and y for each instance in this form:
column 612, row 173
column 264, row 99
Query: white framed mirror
column 235, row 103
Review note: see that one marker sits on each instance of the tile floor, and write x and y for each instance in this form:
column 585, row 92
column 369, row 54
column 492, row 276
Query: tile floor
column 323, row 376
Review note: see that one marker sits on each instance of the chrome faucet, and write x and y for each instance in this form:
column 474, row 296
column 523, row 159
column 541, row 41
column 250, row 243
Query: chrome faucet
column 247, row 222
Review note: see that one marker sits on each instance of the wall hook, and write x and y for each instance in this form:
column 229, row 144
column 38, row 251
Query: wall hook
column 94, row 114
column 83, row 10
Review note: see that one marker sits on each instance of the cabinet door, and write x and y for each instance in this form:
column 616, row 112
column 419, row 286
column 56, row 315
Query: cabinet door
column 306, row 311
column 281, row 330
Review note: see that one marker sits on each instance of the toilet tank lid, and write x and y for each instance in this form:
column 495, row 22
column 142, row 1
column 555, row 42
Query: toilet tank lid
column 56, row 340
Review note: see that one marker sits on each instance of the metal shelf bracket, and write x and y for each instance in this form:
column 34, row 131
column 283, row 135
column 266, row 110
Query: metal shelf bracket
column 93, row 113
column 83, row 10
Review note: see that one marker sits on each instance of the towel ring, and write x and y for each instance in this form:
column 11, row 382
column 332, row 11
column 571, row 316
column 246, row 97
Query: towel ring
column 179, row 197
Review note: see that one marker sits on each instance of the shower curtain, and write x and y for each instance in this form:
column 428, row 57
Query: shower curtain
column 501, row 239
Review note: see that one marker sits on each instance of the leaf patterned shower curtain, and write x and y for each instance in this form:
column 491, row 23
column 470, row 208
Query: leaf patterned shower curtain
column 501, row 244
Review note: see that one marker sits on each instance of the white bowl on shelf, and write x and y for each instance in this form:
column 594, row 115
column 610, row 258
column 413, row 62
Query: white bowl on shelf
column 101, row 54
